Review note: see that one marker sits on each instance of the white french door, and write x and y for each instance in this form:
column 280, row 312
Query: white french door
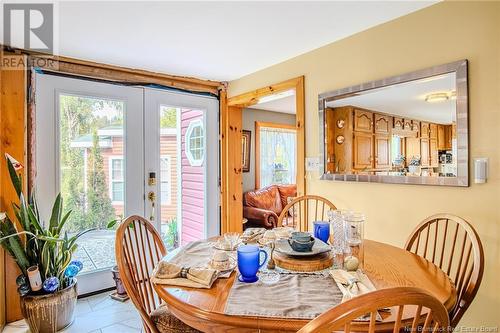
column 115, row 150
column 194, row 160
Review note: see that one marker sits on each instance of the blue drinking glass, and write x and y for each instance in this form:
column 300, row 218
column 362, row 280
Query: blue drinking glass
column 322, row 230
column 249, row 262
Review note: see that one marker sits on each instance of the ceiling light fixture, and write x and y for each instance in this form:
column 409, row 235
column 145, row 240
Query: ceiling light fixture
column 437, row 97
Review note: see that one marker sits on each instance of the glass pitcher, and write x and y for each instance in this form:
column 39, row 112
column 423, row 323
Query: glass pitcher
column 355, row 234
column 337, row 237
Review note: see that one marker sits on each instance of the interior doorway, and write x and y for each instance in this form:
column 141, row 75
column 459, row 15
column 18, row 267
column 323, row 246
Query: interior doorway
column 276, row 114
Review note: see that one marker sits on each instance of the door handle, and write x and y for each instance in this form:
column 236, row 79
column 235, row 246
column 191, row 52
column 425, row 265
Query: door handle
column 152, row 200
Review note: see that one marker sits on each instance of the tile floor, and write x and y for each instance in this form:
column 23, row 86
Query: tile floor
column 96, row 314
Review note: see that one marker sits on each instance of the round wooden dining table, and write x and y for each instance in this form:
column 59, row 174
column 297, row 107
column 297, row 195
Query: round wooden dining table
column 386, row 265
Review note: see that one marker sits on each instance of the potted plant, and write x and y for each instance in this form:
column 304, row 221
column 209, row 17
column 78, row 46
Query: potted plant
column 414, row 166
column 43, row 252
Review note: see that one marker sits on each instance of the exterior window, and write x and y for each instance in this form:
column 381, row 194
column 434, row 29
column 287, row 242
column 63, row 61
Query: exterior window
column 195, row 143
column 165, row 180
column 277, row 159
column 117, row 189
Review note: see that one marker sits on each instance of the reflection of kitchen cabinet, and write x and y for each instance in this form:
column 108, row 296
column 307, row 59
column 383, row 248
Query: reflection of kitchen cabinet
column 398, row 123
column 433, row 152
column 407, row 125
column 363, row 148
column 382, row 151
column 412, row 149
column 424, row 130
column 424, row 152
column 415, row 127
column 363, row 121
column 441, row 137
column 433, row 131
column 382, row 124
column 448, row 129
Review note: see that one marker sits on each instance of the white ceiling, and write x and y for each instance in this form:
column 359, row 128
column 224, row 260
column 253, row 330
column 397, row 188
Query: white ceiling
column 408, row 100
column 285, row 105
column 213, row 40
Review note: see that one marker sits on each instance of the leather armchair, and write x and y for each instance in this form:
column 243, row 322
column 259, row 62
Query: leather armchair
column 262, row 207
column 260, row 217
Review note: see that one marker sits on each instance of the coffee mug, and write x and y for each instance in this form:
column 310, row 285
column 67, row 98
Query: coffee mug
column 322, row 230
column 249, row 262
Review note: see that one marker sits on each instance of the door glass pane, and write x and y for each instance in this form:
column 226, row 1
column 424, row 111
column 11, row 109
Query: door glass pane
column 182, row 175
column 91, row 174
column 168, row 175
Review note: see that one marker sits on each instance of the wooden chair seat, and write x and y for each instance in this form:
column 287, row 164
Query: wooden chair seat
column 167, row 323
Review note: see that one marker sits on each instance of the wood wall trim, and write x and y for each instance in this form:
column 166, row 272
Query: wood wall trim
column 13, row 141
column 126, row 75
column 258, row 125
column 231, row 117
column 115, row 73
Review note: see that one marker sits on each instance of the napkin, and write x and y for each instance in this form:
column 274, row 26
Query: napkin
column 351, row 284
column 172, row 274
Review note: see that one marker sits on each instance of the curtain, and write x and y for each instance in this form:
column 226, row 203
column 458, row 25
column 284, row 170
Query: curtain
column 277, row 156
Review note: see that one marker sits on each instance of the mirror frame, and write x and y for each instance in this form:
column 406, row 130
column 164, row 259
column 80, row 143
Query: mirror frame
column 462, row 126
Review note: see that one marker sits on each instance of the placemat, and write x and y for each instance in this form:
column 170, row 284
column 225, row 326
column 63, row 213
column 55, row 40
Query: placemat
column 312, row 295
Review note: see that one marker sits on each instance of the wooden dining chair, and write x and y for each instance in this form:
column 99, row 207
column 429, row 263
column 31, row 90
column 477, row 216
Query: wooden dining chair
column 428, row 314
column 301, row 208
column 138, row 249
column 453, row 245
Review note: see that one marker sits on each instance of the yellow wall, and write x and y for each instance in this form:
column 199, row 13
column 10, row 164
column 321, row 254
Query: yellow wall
column 442, row 33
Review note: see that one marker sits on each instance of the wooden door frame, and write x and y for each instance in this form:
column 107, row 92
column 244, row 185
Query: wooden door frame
column 258, row 125
column 231, row 169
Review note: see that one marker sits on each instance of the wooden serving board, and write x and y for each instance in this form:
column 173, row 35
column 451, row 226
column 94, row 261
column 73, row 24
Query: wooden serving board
column 303, row 264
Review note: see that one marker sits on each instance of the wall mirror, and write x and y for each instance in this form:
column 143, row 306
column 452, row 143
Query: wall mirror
column 406, row 129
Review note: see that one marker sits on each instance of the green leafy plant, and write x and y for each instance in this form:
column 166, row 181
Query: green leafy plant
column 45, row 245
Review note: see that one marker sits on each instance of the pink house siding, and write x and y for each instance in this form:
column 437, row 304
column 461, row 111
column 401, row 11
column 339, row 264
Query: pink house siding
column 193, row 189
column 168, row 147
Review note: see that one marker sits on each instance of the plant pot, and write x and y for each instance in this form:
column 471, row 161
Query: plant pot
column 52, row 312
column 415, row 169
column 120, row 289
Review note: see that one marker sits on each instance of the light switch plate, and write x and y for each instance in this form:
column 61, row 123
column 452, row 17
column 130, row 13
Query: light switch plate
column 312, row 163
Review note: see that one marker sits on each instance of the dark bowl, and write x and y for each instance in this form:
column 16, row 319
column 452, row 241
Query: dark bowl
column 301, row 236
column 300, row 246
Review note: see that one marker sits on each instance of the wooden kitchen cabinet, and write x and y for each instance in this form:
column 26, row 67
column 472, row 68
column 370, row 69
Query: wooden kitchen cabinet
column 424, row 129
column 382, row 124
column 407, row 125
column 382, row 152
column 433, row 153
column 441, row 137
column 433, row 131
column 398, row 123
column 425, row 158
column 363, row 121
column 363, row 150
column 412, row 148
column 415, row 127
